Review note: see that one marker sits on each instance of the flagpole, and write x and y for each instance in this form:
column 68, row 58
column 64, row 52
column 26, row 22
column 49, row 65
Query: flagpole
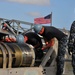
column 51, row 19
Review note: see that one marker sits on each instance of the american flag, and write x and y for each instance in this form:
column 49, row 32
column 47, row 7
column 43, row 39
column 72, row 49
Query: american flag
column 43, row 20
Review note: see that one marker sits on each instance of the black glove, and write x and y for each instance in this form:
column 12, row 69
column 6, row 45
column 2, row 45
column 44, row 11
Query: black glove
column 70, row 48
column 69, row 51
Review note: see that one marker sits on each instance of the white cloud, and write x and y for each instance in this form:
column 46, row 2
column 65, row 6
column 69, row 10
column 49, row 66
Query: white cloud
column 34, row 14
column 36, row 2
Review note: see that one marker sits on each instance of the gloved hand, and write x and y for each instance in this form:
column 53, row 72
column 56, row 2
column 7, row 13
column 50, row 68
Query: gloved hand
column 49, row 44
column 70, row 47
column 69, row 51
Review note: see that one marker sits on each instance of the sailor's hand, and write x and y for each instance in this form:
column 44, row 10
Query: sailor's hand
column 46, row 43
column 69, row 51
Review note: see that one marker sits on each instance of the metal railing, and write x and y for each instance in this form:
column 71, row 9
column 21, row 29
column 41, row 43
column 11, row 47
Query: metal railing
column 19, row 26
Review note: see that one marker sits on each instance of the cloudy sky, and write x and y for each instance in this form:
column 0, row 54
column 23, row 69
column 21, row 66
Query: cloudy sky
column 63, row 11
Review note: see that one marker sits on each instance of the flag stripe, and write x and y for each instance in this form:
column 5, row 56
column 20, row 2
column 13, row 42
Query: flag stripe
column 43, row 20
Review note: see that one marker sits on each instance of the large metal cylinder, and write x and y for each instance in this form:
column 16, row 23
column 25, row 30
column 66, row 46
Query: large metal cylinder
column 16, row 55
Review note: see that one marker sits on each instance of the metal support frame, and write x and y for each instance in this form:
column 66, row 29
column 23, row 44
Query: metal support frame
column 50, row 55
column 47, row 56
column 17, row 24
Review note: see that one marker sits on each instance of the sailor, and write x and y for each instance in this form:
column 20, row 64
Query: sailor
column 49, row 32
column 34, row 39
column 71, row 45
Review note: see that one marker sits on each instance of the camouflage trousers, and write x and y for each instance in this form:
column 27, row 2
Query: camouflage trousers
column 61, row 53
column 71, row 45
column 73, row 62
